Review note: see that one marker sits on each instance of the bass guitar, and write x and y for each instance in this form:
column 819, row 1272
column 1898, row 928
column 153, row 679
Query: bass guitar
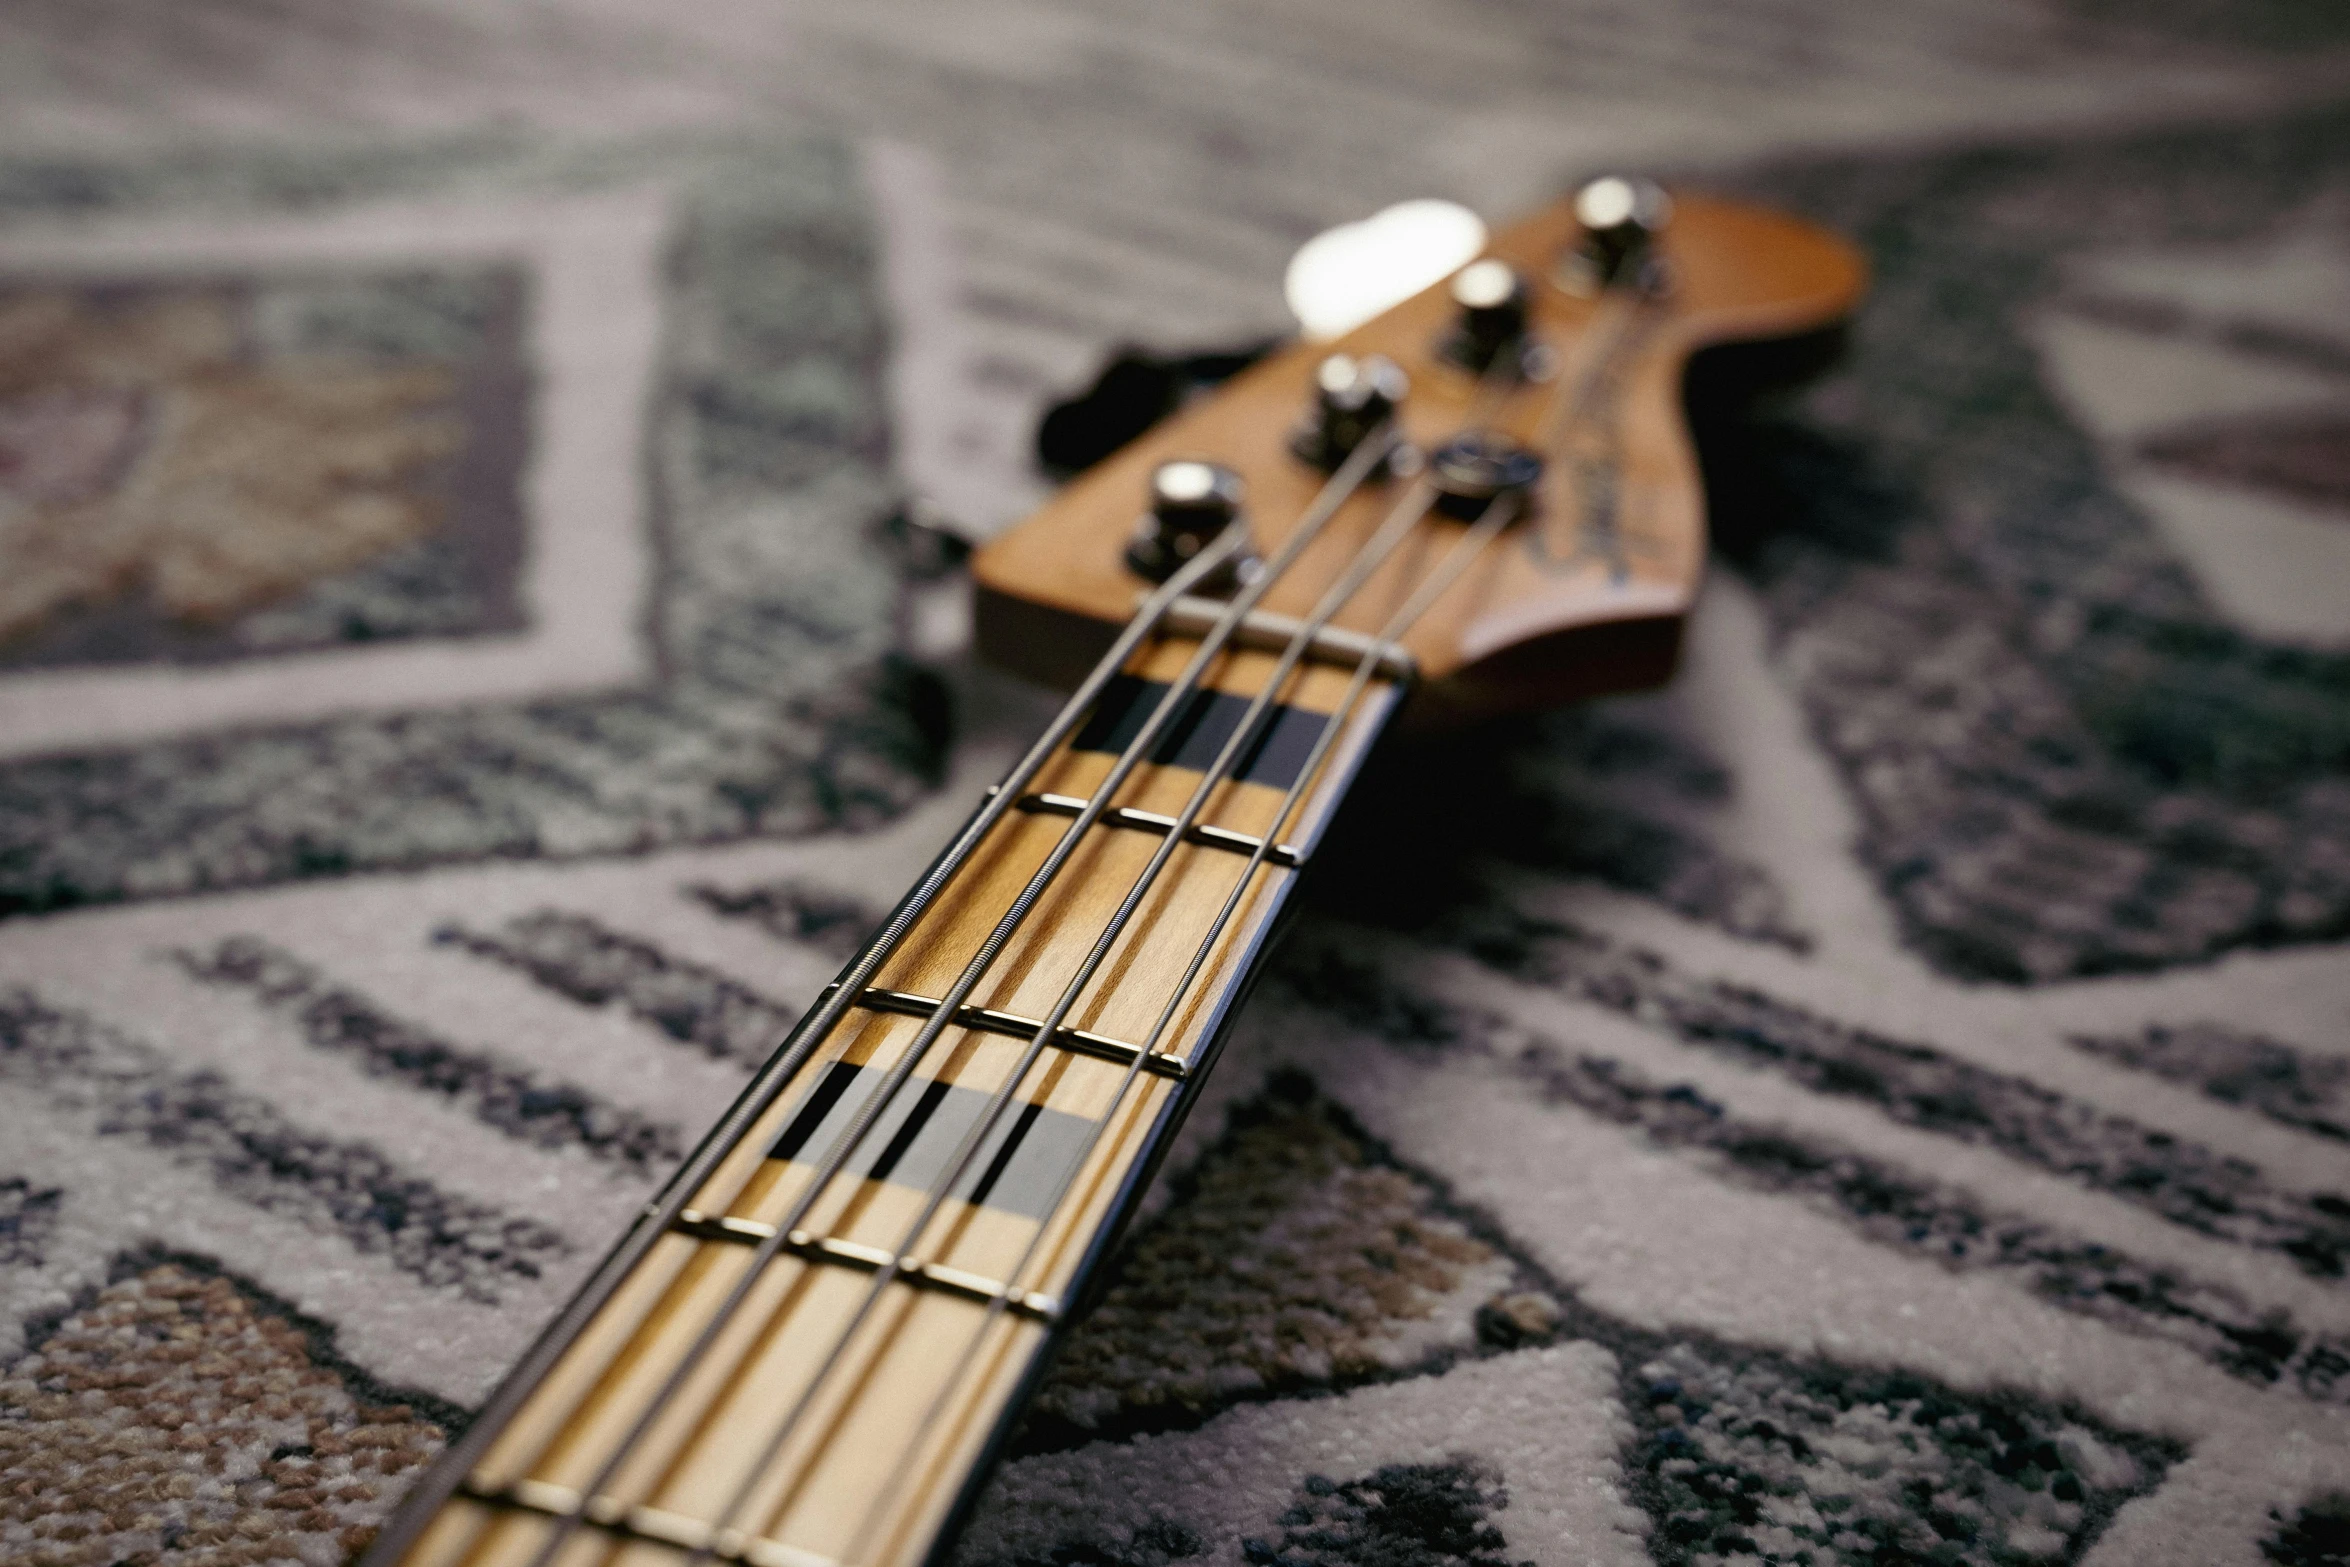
column 807, row 1348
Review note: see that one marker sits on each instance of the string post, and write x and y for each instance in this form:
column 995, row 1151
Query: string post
column 1192, row 503
column 1620, row 217
column 1490, row 329
column 1353, row 396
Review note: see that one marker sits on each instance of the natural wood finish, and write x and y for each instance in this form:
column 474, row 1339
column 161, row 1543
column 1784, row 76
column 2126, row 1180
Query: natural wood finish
column 1054, row 586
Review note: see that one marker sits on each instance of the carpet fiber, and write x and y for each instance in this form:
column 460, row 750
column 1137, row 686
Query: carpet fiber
column 1884, row 1099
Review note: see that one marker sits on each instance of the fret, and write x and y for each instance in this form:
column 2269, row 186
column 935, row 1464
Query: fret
column 1282, row 736
column 1282, row 854
column 688, row 1469
column 1014, row 1026
column 1264, row 628
column 912, row 1270
column 645, row 1525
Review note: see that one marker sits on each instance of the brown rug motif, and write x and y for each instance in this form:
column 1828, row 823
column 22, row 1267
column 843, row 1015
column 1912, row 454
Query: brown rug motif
column 171, row 1418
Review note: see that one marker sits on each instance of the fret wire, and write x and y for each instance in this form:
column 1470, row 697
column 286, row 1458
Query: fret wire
column 1366, row 559
column 1154, row 821
column 988, row 1020
column 1471, row 544
column 852, row 1254
column 1334, row 493
column 814, row 1030
column 648, row 1525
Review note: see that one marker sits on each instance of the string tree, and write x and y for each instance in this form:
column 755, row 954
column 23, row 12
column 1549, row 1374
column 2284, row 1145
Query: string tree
column 1352, row 397
column 1478, row 468
column 1619, row 218
column 1191, row 503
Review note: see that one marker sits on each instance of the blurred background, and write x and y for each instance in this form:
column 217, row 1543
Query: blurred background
column 1117, row 172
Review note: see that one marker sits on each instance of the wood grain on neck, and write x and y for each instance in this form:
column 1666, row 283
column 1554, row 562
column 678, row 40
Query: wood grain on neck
column 893, row 1433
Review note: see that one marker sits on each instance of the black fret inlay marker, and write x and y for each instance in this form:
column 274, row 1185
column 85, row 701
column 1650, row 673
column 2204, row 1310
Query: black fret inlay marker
column 1004, row 1155
column 1200, row 728
column 924, row 1108
column 1021, row 1161
column 816, row 1111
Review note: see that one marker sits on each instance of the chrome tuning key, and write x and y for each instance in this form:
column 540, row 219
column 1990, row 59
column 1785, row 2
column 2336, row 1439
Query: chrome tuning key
column 1191, row 503
column 1492, row 320
column 1621, row 218
column 1352, row 398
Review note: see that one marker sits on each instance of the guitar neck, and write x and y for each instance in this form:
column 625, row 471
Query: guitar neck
column 806, row 1350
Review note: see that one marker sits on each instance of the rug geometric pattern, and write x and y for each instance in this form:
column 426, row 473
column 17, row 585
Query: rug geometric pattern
column 1882, row 1098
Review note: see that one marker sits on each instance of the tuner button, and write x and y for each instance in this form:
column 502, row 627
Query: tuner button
column 1621, row 218
column 1352, row 397
column 1473, row 470
column 1492, row 301
column 1191, row 502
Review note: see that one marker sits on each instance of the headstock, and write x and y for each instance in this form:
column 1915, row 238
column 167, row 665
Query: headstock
column 1566, row 341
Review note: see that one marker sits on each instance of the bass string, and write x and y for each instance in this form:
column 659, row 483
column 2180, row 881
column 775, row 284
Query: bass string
column 778, row 1072
column 850, row 986
column 812, row 1033
column 1342, row 485
column 1367, row 559
column 1465, row 551
column 943, row 1014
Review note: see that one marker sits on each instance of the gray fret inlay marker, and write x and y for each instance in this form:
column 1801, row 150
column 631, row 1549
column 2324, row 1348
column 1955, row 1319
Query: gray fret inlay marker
column 1018, row 1165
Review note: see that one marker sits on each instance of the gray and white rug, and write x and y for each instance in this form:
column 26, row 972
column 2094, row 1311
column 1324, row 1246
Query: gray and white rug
column 1884, row 1099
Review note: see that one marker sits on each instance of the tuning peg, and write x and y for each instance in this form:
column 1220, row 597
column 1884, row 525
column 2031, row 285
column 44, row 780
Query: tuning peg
column 1492, row 301
column 1191, row 502
column 1621, row 218
column 1352, row 397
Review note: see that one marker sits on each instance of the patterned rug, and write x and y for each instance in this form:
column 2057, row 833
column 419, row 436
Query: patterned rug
column 1884, row 1099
